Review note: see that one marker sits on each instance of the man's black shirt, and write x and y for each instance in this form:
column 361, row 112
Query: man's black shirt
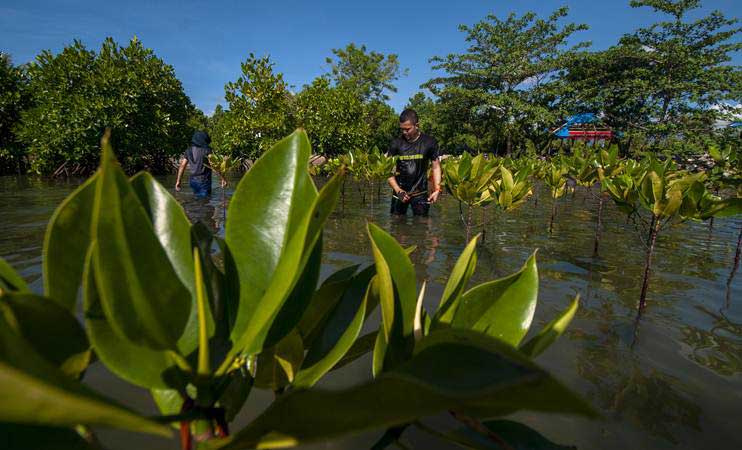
column 412, row 165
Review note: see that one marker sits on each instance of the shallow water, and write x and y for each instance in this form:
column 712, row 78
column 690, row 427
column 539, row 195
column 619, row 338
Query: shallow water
column 673, row 379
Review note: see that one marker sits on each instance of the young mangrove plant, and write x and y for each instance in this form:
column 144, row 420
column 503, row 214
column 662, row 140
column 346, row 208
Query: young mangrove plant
column 222, row 165
column 161, row 314
column 509, row 191
column 666, row 194
column 608, row 166
column 468, row 180
column 555, row 176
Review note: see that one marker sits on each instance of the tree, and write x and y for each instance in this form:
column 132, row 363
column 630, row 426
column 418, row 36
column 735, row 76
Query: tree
column 383, row 123
column 666, row 82
column 13, row 99
column 77, row 93
column 506, row 76
column 369, row 74
column 259, row 110
column 334, row 118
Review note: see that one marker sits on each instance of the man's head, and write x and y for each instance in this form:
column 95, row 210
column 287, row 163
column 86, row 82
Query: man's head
column 408, row 124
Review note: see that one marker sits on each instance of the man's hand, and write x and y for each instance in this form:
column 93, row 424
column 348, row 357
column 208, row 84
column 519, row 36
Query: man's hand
column 403, row 196
column 432, row 198
column 177, row 185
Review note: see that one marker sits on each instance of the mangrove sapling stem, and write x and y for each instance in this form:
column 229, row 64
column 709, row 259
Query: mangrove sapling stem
column 484, row 224
column 653, row 230
column 342, row 195
column 553, row 214
column 477, row 426
column 362, row 193
column 736, row 264
column 468, row 223
column 598, row 226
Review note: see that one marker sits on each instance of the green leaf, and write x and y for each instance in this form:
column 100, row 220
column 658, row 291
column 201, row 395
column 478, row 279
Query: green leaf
column 204, row 367
column 551, row 332
column 10, row 281
column 360, row 347
column 137, row 364
column 277, row 366
column 323, row 301
column 398, row 293
column 299, row 300
column 266, row 208
column 235, row 394
column 66, row 243
column 50, row 329
column 502, row 308
column 174, row 232
column 507, row 179
column 339, row 332
column 301, row 228
column 727, row 207
column 229, row 291
column 35, row 392
column 452, row 370
column 457, row 281
column 516, row 435
column 140, row 293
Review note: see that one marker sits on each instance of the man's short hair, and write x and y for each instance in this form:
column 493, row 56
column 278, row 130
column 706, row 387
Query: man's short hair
column 408, row 115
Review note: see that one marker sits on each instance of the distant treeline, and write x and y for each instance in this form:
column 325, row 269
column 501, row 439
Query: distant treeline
column 668, row 87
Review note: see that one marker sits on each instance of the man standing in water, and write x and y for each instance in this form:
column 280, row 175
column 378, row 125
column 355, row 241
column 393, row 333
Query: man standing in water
column 197, row 156
column 414, row 150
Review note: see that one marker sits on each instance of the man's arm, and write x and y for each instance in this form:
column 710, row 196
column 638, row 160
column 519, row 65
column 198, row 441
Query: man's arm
column 393, row 183
column 401, row 194
column 181, row 169
column 436, row 181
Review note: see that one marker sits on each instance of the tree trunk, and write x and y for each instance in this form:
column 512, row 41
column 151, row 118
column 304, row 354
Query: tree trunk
column 653, row 230
column 598, row 225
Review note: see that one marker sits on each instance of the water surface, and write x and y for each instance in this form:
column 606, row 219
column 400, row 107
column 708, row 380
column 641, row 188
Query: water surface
column 671, row 380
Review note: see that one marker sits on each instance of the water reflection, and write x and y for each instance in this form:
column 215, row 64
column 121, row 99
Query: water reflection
column 718, row 348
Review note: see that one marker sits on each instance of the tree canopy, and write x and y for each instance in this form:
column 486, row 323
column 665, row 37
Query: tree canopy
column 78, row 93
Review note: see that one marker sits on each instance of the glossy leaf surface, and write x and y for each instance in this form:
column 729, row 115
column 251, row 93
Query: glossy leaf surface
column 66, row 243
column 502, row 308
column 453, row 369
column 140, row 292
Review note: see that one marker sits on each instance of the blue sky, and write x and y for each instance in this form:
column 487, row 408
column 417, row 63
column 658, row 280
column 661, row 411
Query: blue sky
column 206, row 41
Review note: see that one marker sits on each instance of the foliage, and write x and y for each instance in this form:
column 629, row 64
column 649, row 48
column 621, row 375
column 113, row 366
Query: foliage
column 161, row 314
column 468, row 179
column 511, row 190
column 222, row 164
column 662, row 83
column 77, row 93
column 383, row 124
column 368, row 74
column 502, row 86
column 555, row 176
column 333, row 117
column 259, row 111
column 14, row 98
